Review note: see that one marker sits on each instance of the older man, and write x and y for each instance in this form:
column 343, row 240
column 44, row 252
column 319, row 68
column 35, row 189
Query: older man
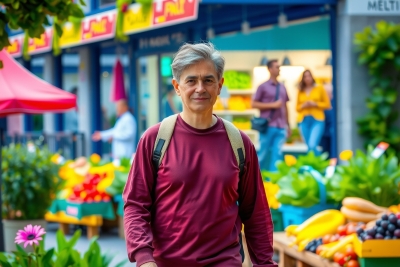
column 123, row 134
column 189, row 210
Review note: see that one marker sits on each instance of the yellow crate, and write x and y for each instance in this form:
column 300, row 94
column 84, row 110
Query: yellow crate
column 61, row 217
column 377, row 248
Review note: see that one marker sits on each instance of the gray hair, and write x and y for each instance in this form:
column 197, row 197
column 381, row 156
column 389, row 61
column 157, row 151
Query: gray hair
column 190, row 54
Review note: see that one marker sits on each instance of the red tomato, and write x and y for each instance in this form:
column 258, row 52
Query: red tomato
column 339, row 258
column 342, row 230
column 350, row 254
column 351, row 229
column 326, row 239
column 353, row 263
column 334, row 238
column 318, row 251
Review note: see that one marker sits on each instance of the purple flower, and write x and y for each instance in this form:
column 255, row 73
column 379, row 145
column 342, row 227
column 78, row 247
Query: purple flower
column 30, row 234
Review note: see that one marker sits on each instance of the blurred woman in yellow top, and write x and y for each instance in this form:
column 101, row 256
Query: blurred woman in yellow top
column 312, row 100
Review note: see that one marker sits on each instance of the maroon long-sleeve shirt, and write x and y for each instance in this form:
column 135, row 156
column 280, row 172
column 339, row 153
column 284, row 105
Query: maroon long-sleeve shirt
column 187, row 215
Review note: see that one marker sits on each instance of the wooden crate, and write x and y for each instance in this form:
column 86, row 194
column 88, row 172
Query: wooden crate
column 92, row 222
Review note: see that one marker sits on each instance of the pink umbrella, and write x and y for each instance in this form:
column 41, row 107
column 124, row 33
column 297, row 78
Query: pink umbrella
column 118, row 85
column 23, row 92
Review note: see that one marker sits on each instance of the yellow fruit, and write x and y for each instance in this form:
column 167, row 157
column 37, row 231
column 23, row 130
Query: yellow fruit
column 319, row 219
column 290, row 160
column 290, row 229
column 359, row 204
column 103, row 184
column 346, row 155
column 95, row 158
column 358, row 216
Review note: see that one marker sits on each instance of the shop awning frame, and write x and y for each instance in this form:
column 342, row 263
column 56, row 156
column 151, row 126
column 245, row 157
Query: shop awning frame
column 270, row 2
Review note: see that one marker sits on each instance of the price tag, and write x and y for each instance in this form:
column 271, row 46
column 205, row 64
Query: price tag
column 72, row 211
column 379, row 150
column 330, row 170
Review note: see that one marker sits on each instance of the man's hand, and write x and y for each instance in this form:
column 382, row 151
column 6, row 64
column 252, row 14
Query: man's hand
column 277, row 104
column 96, row 136
column 149, row 264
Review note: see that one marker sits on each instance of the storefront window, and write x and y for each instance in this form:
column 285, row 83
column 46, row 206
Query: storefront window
column 104, row 3
column 170, row 101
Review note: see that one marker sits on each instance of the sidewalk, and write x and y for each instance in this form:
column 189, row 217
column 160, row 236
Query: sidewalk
column 109, row 242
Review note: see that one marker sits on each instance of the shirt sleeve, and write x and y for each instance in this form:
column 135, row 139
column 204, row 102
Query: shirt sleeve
column 299, row 102
column 286, row 97
column 138, row 201
column 258, row 95
column 107, row 134
column 254, row 211
column 325, row 102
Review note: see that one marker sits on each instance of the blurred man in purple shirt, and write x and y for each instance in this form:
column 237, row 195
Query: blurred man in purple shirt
column 265, row 100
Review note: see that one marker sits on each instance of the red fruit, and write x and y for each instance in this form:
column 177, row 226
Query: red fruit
column 334, row 238
column 351, row 229
column 326, row 239
column 339, row 258
column 398, row 215
column 350, row 254
column 342, row 230
column 353, row 263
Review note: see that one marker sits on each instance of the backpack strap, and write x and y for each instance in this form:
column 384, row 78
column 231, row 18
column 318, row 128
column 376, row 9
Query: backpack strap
column 163, row 138
column 237, row 144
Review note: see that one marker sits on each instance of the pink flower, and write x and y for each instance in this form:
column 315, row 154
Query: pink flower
column 30, row 234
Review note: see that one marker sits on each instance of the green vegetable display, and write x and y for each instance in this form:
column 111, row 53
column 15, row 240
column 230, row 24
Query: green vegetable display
column 376, row 180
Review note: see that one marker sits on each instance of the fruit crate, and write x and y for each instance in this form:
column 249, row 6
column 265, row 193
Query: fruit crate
column 379, row 262
column 277, row 220
column 374, row 248
column 297, row 215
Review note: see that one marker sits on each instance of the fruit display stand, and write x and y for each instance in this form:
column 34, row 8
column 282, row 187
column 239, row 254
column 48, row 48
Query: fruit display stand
column 290, row 256
column 91, row 215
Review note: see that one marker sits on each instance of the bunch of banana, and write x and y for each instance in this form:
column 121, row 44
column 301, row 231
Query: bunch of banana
column 328, row 250
column 360, row 210
column 322, row 223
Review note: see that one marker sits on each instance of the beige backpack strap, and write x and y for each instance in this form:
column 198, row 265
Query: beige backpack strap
column 237, row 143
column 163, row 138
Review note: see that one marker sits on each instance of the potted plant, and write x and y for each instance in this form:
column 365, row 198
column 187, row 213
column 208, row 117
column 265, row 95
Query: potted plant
column 30, row 182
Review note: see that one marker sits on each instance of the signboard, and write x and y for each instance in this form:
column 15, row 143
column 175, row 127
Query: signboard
column 42, row 44
column 101, row 27
column 136, row 19
column 167, row 12
column 165, row 41
column 373, row 7
column 15, row 49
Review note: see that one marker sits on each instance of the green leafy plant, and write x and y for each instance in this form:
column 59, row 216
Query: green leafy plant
column 294, row 136
column 376, row 180
column 30, row 181
column 64, row 255
column 32, row 16
column 118, row 184
column 380, row 51
column 317, row 162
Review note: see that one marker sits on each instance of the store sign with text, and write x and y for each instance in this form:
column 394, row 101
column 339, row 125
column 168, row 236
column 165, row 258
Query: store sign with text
column 172, row 40
column 42, row 44
column 99, row 27
column 168, row 12
column 15, row 49
column 373, row 7
column 137, row 19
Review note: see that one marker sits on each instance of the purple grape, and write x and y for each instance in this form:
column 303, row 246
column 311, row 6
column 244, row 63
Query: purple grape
column 395, row 237
column 388, row 233
column 397, row 232
column 393, row 218
column 391, row 227
column 378, row 236
column 384, row 224
column 378, row 222
column 398, row 223
column 384, row 217
column 387, row 237
column 371, row 232
column 380, row 230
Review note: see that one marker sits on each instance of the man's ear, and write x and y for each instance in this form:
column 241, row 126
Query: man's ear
column 176, row 86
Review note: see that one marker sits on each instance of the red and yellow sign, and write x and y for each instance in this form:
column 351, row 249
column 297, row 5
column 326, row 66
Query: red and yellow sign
column 174, row 11
column 99, row 27
column 136, row 19
column 42, row 44
column 15, row 49
column 71, row 36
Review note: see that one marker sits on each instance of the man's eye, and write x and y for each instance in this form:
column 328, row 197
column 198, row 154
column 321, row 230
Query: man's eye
column 190, row 81
column 209, row 81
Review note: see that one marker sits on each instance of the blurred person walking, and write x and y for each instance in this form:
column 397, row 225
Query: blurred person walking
column 312, row 101
column 271, row 99
column 122, row 135
column 185, row 203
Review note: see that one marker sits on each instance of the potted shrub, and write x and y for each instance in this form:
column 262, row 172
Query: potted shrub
column 30, row 182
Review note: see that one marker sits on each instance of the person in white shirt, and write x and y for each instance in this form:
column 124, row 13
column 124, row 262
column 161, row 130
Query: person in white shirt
column 123, row 134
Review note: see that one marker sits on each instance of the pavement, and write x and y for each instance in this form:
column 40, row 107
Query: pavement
column 109, row 243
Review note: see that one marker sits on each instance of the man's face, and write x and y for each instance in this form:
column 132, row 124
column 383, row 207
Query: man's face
column 274, row 70
column 199, row 87
column 120, row 108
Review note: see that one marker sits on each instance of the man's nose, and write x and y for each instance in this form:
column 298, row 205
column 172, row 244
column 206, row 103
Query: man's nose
column 200, row 87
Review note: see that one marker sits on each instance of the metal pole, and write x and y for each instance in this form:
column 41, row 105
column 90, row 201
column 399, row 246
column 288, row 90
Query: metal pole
column 1, row 199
